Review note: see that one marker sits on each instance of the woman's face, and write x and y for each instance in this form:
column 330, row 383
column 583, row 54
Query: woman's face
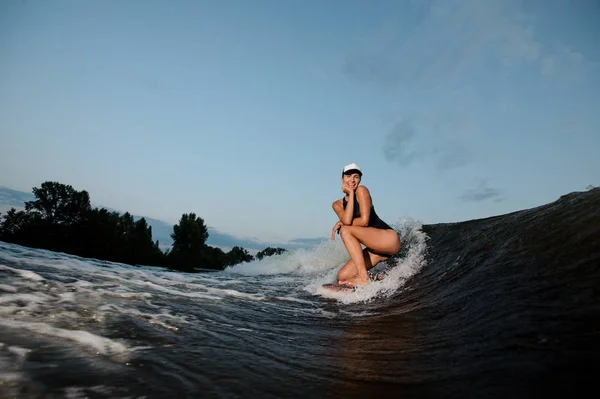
column 351, row 181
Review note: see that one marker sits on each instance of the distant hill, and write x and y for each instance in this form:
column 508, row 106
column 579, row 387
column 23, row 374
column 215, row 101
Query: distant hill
column 161, row 230
column 13, row 198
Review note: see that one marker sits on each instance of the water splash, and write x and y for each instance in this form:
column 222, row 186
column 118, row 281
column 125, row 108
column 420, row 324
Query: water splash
column 411, row 259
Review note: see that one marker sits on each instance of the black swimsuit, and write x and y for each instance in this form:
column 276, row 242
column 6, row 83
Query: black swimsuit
column 374, row 220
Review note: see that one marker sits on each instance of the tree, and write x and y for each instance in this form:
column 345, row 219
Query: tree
column 59, row 203
column 189, row 240
column 213, row 258
column 269, row 251
column 125, row 224
column 101, row 235
column 140, row 247
column 238, row 255
column 15, row 223
column 61, row 219
column 191, row 233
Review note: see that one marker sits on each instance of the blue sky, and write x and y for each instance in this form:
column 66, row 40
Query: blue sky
column 244, row 112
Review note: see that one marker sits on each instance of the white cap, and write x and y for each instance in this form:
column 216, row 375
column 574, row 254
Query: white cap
column 352, row 167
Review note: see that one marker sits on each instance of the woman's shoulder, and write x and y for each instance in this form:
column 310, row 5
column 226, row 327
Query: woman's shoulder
column 362, row 189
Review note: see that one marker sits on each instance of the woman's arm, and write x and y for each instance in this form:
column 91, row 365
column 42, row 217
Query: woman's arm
column 335, row 229
column 346, row 215
column 364, row 202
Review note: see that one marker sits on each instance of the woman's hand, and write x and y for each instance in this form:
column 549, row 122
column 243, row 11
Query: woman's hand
column 337, row 226
column 347, row 189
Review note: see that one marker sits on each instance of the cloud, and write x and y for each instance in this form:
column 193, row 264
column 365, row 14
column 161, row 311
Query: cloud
column 437, row 141
column 454, row 37
column 395, row 147
column 482, row 192
column 451, row 156
column 564, row 62
column 151, row 84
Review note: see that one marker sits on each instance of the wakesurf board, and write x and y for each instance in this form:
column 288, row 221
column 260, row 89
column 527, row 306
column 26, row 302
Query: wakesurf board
column 338, row 287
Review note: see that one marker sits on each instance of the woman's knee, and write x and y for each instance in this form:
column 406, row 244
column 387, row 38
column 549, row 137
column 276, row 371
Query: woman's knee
column 345, row 232
column 398, row 244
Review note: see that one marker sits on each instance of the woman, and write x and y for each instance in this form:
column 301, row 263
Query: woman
column 359, row 224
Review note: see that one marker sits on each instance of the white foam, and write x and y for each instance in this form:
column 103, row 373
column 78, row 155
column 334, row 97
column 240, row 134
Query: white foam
column 36, row 298
column 67, row 296
column 75, row 393
column 126, row 295
column 20, row 352
column 7, row 377
column 26, row 274
column 151, row 318
column 100, row 345
column 174, row 292
column 195, row 287
column 9, row 363
column 8, row 310
column 8, row 288
column 48, row 259
column 82, row 284
column 237, row 294
column 300, row 262
column 293, row 299
column 80, row 393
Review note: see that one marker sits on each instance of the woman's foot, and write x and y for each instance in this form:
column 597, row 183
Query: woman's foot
column 354, row 282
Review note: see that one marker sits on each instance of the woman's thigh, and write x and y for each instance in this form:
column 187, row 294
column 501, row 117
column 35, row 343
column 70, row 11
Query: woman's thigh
column 378, row 240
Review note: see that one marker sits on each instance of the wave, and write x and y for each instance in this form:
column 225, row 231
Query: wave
column 505, row 306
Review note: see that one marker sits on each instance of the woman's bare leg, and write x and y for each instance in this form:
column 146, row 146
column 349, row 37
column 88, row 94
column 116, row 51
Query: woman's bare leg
column 385, row 241
column 349, row 270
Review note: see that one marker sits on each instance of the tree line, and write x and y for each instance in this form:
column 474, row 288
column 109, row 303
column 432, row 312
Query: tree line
column 61, row 219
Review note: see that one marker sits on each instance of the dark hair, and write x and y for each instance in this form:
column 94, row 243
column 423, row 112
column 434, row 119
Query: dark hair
column 351, row 172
